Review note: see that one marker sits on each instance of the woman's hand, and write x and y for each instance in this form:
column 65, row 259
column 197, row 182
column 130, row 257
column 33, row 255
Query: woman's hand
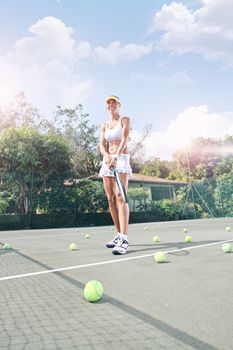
column 110, row 161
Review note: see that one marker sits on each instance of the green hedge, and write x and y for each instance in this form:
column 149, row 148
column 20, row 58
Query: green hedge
column 12, row 222
column 42, row 221
column 63, row 220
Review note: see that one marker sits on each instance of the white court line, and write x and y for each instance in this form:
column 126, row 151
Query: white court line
column 37, row 236
column 80, row 231
column 106, row 262
column 189, row 225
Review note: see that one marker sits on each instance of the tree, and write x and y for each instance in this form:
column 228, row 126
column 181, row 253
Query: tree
column 84, row 196
column 177, row 171
column 20, row 113
column 7, row 202
column 30, row 162
column 224, row 194
column 3, row 206
column 225, row 166
column 199, row 159
column 140, row 195
column 136, row 150
column 226, row 150
column 73, row 126
column 90, row 197
column 156, row 167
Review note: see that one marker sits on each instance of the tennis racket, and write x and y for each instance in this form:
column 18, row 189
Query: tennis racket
column 120, row 185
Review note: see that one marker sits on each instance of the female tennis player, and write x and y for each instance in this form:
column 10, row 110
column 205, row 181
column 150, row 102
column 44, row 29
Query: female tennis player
column 113, row 146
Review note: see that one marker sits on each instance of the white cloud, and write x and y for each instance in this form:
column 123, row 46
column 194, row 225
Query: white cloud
column 173, row 17
column 83, row 50
column 51, row 39
column 181, row 78
column 141, row 76
column 45, row 65
column 207, row 31
column 191, row 123
column 116, row 52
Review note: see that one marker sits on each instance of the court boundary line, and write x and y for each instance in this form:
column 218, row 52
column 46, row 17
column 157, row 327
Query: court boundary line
column 81, row 230
column 48, row 236
column 106, row 262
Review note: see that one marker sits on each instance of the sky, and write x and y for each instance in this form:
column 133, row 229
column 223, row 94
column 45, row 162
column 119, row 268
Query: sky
column 170, row 62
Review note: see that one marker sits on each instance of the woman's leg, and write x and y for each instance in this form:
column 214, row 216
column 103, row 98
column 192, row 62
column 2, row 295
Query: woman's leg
column 123, row 208
column 109, row 183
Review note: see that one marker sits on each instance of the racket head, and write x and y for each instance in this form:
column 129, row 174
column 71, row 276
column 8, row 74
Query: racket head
column 120, row 185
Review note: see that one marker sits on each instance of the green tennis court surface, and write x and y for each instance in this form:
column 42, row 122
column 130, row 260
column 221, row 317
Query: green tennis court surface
column 184, row 303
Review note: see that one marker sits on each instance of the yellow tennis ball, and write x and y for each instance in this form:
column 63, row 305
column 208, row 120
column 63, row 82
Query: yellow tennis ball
column 227, row 248
column 228, row 228
column 7, row 246
column 156, row 239
column 77, row 230
column 160, row 257
column 146, row 228
column 73, row 246
column 93, row 291
column 87, row 236
column 185, row 230
column 188, row 239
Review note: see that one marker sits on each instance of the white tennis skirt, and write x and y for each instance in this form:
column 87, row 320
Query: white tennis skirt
column 122, row 165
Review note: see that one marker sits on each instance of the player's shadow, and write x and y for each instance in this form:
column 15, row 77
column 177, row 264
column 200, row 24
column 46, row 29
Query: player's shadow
column 168, row 246
column 136, row 315
column 4, row 252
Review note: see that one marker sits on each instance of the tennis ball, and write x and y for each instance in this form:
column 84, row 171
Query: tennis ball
column 73, row 246
column 159, row 257
column 7, row 246
column 228, row 228
column 156, row 239
column 188, row 239
column 185, row 230
column 227, row 248
column 87, row 236
column 77, row 230
column 146, row 228
column 93, row 291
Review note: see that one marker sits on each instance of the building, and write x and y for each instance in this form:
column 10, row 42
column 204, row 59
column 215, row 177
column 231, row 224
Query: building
column 143, row 189
column 153, row 188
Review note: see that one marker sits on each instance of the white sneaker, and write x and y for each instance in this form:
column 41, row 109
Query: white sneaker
column 113, row 242
column 121, row 247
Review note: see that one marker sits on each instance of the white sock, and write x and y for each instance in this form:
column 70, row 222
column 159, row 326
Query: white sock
column 124, row 236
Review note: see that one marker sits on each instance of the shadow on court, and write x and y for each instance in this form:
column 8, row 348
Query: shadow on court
column 139, row 317
column 145, row 305
column 167, row 246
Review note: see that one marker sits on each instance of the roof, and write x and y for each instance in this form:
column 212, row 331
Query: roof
column 147, row 179
column 152, row 179
column 136, row 178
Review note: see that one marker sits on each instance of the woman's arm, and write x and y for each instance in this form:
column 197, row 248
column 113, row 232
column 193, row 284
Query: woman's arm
column 125, row 134
column 103, row 148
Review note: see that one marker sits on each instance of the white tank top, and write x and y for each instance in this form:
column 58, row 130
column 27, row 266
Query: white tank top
column 114, row 133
